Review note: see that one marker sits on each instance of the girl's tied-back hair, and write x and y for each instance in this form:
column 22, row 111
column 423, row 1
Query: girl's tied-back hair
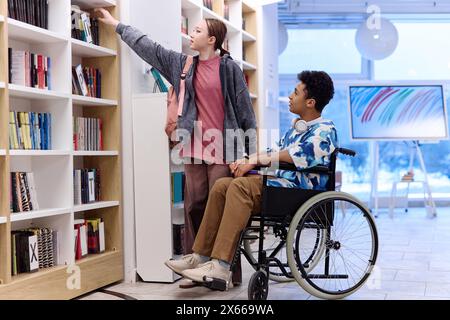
column 217, row 29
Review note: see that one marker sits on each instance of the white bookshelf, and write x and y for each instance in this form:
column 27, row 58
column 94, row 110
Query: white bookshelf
column 96, row 205
column 89, row 4
column 247, row 37
column 84, row 49
column 248, row 66
column 45, row 213
column 38, row 153
column 53, row 169
column 35, row 93
column 2, row 19
column 93, row 102
column 22, row 31
column 95, row 153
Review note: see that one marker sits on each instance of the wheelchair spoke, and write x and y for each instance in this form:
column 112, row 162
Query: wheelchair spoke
column 345, row 244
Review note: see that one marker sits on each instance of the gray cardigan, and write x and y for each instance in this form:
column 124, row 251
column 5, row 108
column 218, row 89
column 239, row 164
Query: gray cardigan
column 239, row 112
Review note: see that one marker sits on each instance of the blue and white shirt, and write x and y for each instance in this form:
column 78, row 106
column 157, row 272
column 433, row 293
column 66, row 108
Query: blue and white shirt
column 309, row 149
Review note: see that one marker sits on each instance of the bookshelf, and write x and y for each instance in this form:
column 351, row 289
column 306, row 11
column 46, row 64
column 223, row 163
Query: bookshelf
column 53, row 169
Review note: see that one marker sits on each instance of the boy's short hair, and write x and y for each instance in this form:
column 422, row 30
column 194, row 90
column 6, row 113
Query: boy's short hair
column 319, row 86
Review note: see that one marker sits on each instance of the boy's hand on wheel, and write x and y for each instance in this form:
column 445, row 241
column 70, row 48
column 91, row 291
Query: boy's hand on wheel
column 106, row 17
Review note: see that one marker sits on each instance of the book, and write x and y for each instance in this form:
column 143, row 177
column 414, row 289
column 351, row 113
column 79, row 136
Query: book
column 29, row 69
column 86, row 186
column 184, row 25
column 84, row 27
column 34, row 12
column 29, row 131
column 23, row 192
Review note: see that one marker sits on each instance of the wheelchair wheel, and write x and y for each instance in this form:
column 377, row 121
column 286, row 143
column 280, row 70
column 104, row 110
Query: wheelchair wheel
column 350, row 248
column 258, row 286
column 276, row 247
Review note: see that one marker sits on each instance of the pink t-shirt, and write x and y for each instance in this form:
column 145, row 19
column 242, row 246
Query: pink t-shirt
column 207, row 139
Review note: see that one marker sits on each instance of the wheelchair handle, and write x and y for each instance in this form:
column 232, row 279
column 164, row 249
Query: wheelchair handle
column 347, row 152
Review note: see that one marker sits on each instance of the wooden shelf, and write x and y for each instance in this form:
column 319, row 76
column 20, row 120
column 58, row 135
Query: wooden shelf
column 22, row 216
column 93, row 102
column 90, row 4
column 95, row 153
column 247, row 37
column 88, row 50
column 37, row 153
column 24, row 277
column 22, row 31
column 51, row 284
column 96, row 205
column 34, row 93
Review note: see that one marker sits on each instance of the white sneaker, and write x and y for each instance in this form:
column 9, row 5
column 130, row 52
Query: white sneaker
column 210, row 269
column 189, row 261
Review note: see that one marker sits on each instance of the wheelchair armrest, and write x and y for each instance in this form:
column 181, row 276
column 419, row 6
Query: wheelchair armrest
column 291, row 167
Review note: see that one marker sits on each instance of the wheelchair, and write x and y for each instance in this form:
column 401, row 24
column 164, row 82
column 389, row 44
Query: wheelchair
column 326, row 241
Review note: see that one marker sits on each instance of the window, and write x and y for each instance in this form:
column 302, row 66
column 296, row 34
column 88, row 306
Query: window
column 321, row 49
column 423, row 54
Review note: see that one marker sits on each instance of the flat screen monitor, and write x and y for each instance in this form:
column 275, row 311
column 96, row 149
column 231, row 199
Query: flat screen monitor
column 398, row 112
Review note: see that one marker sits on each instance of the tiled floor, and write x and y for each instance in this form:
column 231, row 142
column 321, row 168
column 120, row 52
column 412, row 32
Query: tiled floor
column 413, row 264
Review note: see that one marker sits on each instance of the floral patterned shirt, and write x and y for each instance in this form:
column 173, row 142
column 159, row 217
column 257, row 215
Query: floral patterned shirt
column 309, row 149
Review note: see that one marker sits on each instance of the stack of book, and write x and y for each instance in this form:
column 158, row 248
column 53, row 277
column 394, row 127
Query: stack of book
column 29, row 69
column 86, row 81
column 30, row 131
column 34, row 249
column 23, row 196
column 184, row 25
column 89, row 236
column 33, row 12
column 84, row 27
column 87, row 134
column 178, row 236
column 226, row 11
column 86, row 186
column 208, row 4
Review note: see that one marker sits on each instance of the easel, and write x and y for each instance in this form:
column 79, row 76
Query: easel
column 414, row 150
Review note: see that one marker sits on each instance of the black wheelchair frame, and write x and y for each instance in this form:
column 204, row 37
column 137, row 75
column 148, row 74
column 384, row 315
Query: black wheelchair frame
column 278, row 207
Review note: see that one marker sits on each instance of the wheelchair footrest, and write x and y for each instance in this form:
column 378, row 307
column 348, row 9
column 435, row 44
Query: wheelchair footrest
column 330, row 276
column 215, row 284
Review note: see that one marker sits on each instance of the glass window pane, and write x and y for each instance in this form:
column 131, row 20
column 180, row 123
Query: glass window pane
column 423, row 53
column 333, row 50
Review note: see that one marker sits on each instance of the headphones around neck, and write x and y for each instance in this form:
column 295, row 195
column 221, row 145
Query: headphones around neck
column 301, row 126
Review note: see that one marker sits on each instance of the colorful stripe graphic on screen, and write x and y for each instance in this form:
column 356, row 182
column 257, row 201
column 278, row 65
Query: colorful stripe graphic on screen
column 395, row 105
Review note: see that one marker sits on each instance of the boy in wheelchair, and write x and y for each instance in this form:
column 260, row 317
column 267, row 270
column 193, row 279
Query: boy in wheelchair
column 308, row 143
